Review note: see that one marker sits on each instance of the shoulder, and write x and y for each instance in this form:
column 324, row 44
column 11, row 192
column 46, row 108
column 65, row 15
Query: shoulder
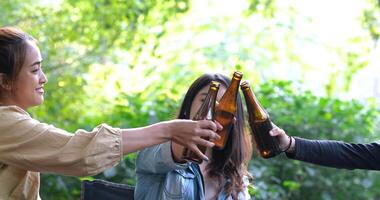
column 7, row 112
column 246, row 181
column 15, row 119
column 12, row 109
column 244, row 194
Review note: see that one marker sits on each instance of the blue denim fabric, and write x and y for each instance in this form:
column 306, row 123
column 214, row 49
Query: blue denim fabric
column 159, row 177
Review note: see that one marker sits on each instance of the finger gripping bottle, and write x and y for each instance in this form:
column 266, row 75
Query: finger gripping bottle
column 206, row 111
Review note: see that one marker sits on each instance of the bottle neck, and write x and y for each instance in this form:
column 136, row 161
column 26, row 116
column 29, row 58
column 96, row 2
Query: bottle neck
column 206, row 111
column 211, row 108
column 255, row 110
column 230, row 96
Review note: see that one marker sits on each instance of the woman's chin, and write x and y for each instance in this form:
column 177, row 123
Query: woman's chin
column 38, row 102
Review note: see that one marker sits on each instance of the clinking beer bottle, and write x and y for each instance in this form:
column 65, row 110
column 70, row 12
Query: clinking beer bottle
column 226, row 110
column 260, row 124
column 206, row 111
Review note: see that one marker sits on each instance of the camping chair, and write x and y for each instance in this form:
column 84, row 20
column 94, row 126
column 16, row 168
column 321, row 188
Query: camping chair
column 105, row 190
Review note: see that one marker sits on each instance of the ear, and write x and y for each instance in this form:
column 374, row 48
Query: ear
column 4, row 82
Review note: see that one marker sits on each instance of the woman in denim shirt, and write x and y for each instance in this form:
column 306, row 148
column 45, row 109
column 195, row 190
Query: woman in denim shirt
column 161, row 174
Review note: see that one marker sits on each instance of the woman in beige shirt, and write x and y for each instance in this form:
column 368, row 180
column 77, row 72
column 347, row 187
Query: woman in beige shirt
column 28, row 146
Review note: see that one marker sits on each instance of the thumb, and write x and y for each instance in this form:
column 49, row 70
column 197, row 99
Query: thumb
column 274, row 132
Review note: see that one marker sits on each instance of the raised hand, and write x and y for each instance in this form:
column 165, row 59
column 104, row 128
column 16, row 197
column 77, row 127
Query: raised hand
column 286, row 142
column 190, row 133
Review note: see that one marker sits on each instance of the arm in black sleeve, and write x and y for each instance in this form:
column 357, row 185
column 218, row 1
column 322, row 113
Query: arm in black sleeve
column 337, row 154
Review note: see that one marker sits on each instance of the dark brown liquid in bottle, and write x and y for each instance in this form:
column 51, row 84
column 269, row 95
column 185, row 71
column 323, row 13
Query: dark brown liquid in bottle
column 267, row 145
column 260, row 125
column 226, row 110
column 206, row 111
column 225, row 119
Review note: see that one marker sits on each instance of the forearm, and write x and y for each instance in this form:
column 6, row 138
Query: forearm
column 337, row 154
column 187, row 133
column 40, row 147
column 139, row 138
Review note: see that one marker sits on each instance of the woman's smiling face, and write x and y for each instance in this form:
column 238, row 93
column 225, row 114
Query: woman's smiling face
column 28, row 88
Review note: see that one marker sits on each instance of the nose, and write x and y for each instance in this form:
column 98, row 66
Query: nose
column 43, row 78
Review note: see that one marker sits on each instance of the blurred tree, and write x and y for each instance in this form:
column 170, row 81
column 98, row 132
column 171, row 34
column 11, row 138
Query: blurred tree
column 302, row 114
column 355, row 54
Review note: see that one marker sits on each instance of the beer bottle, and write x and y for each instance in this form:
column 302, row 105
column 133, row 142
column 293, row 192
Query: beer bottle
column 260, row 124
column 206, row 111
column 226, row 110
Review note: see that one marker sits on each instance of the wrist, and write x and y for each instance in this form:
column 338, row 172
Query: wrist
column 292, row 145
column 166, row 128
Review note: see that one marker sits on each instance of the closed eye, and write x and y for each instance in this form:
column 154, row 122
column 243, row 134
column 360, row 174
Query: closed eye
column 36, row 66
column 35, row 71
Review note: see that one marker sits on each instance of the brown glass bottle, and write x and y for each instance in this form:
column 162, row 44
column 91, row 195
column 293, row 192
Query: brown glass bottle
column 260, row 124
column 206, row 111
column 226, row 110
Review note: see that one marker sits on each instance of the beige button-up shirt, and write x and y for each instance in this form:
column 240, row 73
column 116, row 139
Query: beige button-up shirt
column 28, row 147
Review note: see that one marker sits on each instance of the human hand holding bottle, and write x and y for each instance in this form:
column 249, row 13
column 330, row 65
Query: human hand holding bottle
column 286, row 142
column 189, row 133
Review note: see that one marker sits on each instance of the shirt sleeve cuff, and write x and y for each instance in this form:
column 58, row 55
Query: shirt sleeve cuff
column 120, row 140
column 299, row 143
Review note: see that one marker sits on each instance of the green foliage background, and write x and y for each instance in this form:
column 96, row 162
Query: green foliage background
column 123, row 62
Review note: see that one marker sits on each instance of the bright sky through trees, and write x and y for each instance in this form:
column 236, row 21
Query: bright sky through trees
column 323, row 32
column 324, row 27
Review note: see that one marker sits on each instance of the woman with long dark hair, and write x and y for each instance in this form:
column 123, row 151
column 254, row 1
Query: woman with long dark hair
column 161, row 174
